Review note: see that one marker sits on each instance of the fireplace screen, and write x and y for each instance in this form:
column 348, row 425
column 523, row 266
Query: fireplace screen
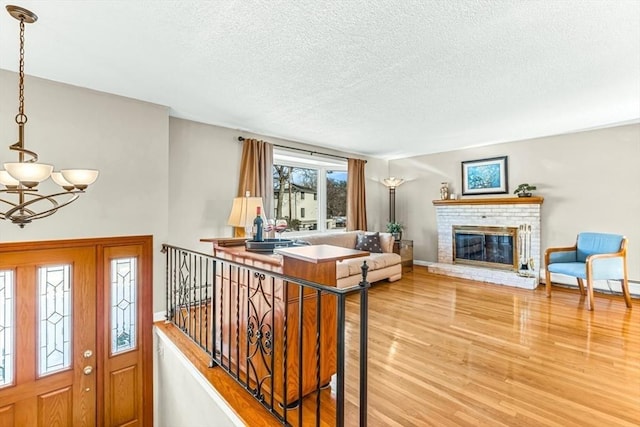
column 493, row 247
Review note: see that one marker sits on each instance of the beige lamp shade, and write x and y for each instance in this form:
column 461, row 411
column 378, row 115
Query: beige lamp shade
column 29, row 174
column 7, row 180
column 59, row 179
column 244, row 211
column 80, row 178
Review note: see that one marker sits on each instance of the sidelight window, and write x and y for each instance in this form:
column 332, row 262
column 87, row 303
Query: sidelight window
column 6, row 328
column 124, row 284
column 54, row 314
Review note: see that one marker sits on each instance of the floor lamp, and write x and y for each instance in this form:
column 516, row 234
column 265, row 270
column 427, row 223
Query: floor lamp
column 391, row 183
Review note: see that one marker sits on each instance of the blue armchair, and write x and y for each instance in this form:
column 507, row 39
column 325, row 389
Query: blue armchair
column 595, row 256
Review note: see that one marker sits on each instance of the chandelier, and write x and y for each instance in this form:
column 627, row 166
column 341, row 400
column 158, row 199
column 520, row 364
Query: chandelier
column 20, row 200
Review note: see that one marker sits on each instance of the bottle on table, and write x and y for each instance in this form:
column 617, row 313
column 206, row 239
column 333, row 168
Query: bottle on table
column 258, row 227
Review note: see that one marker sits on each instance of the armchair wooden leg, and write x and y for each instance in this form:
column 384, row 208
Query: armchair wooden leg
column 625, row 292
column 590, row 293
column 581, row 285
column 547, row 282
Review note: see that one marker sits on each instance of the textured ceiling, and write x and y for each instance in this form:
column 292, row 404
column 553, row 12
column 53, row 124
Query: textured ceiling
column 384, row 78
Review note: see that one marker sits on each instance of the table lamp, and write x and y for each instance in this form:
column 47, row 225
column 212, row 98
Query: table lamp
column 243, row 213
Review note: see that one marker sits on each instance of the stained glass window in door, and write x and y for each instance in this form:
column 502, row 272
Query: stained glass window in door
column 54, row 314
column 6, row 328
column 124, row 282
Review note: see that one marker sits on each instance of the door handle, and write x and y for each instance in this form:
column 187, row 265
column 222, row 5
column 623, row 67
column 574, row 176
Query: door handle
column 88, row 370
column 87, row 354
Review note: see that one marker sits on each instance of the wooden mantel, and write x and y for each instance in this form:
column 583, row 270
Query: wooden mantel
column 491, row 201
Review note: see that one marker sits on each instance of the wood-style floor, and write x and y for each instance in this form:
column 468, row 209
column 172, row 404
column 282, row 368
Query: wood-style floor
column 449, row 352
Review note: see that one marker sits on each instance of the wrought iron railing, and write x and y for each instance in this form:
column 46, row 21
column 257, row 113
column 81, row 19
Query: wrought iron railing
column 283, row 339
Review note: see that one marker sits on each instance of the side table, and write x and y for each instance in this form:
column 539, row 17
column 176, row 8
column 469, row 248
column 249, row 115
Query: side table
column 404, row 248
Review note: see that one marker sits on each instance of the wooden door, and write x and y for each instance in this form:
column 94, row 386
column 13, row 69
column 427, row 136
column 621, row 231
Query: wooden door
column 48, row 335
column 75, row 333
column 126, row 378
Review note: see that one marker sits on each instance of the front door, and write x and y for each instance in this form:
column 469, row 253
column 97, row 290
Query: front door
column 48, row 340
column 75, row 328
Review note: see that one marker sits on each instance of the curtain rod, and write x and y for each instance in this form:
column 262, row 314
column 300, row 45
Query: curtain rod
column 242, row 138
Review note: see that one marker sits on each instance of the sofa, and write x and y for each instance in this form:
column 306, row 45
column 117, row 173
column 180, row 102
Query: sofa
column 382, row 265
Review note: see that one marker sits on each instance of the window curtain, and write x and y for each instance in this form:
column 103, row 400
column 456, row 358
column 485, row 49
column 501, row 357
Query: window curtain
column 356, row 197
column 256, row 175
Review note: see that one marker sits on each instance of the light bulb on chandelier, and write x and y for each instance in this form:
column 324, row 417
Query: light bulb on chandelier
column 20, row 196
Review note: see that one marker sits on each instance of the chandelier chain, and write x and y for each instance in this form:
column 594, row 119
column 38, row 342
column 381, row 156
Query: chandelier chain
column 21, row 117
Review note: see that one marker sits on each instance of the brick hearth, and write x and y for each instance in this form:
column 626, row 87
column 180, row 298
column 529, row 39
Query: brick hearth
column 499, row 212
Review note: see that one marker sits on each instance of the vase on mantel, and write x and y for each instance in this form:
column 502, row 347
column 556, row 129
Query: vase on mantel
column 444, row 191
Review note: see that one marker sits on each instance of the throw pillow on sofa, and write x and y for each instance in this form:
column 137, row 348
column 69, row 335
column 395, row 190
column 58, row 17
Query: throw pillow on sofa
column 369, row 242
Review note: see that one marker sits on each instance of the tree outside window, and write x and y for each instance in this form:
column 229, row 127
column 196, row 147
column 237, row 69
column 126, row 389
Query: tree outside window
column 293, row 182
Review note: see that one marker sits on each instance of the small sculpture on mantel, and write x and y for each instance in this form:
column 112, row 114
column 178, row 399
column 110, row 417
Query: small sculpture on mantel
column 444, row 191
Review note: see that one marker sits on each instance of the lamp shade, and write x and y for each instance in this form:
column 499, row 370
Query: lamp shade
column 7, row 180
column 80, row 178
column 29, row 174
column 392, row 182
column 244, row 211
column 59, row 179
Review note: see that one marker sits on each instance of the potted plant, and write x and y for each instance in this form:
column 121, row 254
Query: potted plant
column 395, row 228
column 524, row 190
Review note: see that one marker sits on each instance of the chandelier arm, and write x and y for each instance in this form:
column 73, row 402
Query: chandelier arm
column 15, row 206
column 27, row 215
column 19, row 146
column 51, row 211
column 23, row 206
column 8, row 202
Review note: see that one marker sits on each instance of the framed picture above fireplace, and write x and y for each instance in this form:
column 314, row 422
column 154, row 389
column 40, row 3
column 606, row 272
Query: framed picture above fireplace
column 485, row 176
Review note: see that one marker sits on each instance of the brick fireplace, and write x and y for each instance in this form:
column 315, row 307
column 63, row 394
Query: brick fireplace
column 506, row 216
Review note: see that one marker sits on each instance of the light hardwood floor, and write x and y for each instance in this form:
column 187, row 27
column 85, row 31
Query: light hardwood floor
column 449, row 352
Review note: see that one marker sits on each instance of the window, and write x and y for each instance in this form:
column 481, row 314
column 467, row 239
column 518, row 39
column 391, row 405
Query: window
column 7, row 354
column 337, row 197
column 54, row 315
column 295, row 175
column 124, row 283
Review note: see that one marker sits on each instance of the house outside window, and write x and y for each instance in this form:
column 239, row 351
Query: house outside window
column 295, row 175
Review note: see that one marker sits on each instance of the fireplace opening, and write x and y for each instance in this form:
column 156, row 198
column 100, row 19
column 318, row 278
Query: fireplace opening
column 493, row 247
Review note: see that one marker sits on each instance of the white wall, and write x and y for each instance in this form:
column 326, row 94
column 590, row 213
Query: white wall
column 378, row 194
column 201, row 406
column 204, row 169
column 589, row 181
column 203, row 180
column 126, row 140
